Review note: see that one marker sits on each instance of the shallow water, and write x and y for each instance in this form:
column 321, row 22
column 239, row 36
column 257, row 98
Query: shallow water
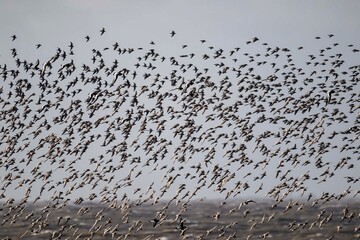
column 199, row 221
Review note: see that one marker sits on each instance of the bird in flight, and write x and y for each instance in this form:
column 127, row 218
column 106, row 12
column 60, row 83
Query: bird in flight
column 208, row 116
column 102, row 31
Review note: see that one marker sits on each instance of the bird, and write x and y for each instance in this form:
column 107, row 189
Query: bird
column 79, row 133
column 155, row 222
column 182, row 227
column 329, row 96
column 102, row 31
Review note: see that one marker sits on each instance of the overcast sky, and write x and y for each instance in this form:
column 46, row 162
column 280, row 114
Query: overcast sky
column 224, row 24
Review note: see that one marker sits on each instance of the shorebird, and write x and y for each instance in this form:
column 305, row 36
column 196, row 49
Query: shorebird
column 214, row 120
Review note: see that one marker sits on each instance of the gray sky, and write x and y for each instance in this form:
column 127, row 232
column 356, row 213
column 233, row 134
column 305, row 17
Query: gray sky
column 224, row 24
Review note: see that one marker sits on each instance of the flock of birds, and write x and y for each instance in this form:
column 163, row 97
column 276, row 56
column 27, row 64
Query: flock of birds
column 134, row 126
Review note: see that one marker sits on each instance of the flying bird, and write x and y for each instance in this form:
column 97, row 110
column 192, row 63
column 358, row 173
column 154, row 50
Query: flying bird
column 102, row 31
column 79, row 133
